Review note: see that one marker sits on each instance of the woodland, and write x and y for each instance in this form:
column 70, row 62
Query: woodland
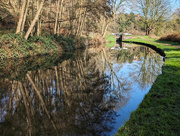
column 88, row 17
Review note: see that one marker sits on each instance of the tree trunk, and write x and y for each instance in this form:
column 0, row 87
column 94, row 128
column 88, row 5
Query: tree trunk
column 57, row 16
column 34, row 20
column 71, row 21
column 38, row 21
column 83, row 22
column 21, row 17
column 79, row 21
column 105, row 29
column 60, row 11
column 25, row 15
column 104, row 23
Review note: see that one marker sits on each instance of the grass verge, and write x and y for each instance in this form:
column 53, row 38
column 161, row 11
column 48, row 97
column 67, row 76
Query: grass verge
column 159, row 113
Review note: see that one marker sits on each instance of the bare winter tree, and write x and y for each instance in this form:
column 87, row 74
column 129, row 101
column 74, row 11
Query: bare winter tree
column 152, row 11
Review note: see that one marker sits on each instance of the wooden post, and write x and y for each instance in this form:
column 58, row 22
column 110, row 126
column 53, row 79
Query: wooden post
column 120, row 44
column 120, row 38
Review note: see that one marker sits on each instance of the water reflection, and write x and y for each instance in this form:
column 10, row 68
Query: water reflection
column 76, row 94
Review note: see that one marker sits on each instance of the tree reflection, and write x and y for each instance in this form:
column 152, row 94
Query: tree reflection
column 147, row 64
column 65, row 99
column 76, row 96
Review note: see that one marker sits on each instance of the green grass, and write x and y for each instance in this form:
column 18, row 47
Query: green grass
column 151, row 39
column 159, row 113
column 110, row 40
column 110, row 44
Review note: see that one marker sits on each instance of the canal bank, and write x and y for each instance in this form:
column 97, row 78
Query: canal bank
column 159, row 113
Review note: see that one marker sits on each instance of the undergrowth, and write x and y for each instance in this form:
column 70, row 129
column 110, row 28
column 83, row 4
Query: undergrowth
column 15, row 45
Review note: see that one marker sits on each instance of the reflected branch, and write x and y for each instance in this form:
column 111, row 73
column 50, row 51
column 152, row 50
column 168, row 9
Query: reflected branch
column 42, row 101
column 27, row 108
column 109, row 64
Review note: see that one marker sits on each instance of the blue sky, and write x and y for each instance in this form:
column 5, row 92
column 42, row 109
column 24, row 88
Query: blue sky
column 174, row 5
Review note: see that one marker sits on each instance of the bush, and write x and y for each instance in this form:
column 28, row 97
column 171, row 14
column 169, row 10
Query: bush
column 173, row 37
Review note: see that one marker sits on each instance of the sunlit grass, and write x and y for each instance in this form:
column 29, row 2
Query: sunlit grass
column 110, row 40
column 110, row 44
column 151, row 39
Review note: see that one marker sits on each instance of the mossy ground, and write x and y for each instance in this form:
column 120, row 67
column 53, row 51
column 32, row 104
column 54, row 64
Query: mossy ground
column 159, row 113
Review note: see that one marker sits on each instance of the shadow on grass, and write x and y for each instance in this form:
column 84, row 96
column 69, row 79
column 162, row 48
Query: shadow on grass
column 174, row 57
column 158, row 50
column 170, row 49
column 168, row 42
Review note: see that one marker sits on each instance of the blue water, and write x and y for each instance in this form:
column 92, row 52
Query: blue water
column 87, row 92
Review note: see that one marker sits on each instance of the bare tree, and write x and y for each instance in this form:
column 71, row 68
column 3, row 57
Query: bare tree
column 152, row 11
column 21, row 17
column 71, row 16
column 115, row 6
column 34, row 20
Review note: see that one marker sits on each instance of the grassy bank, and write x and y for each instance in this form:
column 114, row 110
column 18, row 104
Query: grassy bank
column 16, row 46
column 159, row 113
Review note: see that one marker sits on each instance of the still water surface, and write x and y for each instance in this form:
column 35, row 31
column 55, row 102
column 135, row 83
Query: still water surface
column 90, row 92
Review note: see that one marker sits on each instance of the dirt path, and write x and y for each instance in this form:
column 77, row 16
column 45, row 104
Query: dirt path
column 160, row 43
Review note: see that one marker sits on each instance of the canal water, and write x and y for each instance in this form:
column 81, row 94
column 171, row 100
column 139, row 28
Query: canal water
column 89, row 92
